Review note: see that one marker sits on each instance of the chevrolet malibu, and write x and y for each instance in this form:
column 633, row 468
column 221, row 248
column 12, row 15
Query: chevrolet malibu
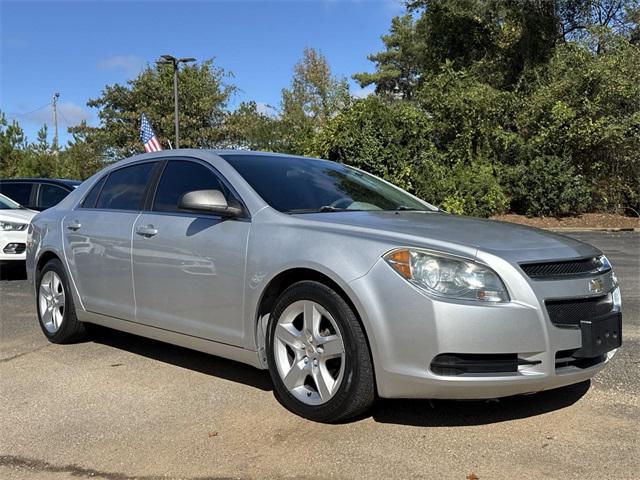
column 340, row 284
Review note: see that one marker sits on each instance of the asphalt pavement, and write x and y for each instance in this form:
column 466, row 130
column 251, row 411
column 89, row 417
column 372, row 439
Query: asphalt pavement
column 120, row 407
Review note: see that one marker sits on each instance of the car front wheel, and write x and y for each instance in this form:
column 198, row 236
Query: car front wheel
column 318, row 355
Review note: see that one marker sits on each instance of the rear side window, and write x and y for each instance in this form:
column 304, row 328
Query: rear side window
column 180, row 177
column 92, row 196
column 18, row 192
column 50, row 195
column 124, row 188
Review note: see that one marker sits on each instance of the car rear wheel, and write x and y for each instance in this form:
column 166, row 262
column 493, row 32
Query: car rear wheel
column 56, row 311
column 318, row 355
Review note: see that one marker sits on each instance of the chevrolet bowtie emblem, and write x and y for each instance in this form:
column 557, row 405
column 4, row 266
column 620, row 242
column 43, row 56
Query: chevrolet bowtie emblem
column 596, row 285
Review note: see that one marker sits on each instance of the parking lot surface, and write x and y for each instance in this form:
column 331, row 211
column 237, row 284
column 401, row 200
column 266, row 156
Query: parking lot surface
column 121, row 407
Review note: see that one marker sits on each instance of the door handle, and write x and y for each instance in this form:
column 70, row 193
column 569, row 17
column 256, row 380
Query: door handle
column 74, row 225
column 147, row 232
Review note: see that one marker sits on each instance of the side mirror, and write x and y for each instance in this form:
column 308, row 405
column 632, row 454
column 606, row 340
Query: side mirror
column 208, row 201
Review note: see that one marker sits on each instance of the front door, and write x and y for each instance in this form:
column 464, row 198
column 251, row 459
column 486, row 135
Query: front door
column 97, row 241
column 188, row 267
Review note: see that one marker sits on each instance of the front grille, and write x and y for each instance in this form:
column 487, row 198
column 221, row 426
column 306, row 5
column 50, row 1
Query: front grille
column 569, row 313
column 565, row 269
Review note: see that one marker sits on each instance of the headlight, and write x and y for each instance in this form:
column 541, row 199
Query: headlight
column 12, row 227
column 448, row 276
column 602, row 264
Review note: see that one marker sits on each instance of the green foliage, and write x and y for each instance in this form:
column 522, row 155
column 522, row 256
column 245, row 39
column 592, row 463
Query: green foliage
column 246, row 127
column 381, row 137
column 394, row 140
column 586, row 108
column 313, row 98
column 12, row 147
column 470, row 189
column 548, row 185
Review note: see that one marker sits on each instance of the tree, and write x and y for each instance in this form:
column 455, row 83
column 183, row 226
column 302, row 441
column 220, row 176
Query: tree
column 592, row 22
column 248, row 128
column 398, row 66
column 314, row 97
column 12, row 147
column 204, row 94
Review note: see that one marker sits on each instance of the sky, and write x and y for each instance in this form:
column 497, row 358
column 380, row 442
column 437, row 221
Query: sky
column 78, row 47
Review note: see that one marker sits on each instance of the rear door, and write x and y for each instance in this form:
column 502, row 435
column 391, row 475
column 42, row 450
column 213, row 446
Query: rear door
column 188, row 267
column 97, row 239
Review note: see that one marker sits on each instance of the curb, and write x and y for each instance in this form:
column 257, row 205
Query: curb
column 591, row 229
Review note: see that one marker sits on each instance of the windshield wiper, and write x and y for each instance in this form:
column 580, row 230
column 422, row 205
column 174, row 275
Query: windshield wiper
column 329, row 208
column 323, row 209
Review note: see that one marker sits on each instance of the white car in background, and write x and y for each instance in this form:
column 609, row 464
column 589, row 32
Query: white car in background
column 14, row 223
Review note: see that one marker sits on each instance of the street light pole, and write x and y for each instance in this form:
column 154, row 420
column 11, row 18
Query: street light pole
column 175, row 62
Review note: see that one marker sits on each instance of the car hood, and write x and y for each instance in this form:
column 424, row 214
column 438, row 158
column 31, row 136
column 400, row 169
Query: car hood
column 20, row 216
column 510, row 241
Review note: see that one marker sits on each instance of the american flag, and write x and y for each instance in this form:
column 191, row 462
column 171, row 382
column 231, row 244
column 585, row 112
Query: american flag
column 149, row 139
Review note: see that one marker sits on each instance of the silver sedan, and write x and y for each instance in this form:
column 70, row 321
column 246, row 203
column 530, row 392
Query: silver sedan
column 340, row 284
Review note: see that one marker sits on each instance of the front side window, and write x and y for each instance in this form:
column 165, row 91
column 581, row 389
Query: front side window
column 124, row 188
column 18, row 192
column 180, row 177
column 50, row 195
column 306, row 185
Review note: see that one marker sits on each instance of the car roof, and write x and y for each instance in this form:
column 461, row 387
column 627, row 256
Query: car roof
column 58, row 181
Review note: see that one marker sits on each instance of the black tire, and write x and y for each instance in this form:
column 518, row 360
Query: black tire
column 71, row 329
column 356, row 393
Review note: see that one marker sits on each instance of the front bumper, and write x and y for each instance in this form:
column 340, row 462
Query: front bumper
column 407, row 329
column 7, row 239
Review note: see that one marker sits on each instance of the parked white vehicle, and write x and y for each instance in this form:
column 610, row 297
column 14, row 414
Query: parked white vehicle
column 14, row 223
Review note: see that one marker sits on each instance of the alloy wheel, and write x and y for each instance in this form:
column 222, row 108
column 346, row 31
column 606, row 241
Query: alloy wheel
column 309, row 352
column 51, row 300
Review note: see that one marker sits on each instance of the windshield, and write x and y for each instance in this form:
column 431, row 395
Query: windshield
column 306, row 185
column 8, row 204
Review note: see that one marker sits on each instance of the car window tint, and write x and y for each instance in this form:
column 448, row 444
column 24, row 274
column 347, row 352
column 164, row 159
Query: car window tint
column 125, row 187
column 18, row 192
column 92, row 196
column 180, row 177
column 50, row 195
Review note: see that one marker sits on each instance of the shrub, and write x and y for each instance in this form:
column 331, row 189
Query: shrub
column 548, row 185
column 465, row 189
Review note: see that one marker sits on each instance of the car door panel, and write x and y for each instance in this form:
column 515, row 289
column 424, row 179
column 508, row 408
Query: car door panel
column 189, row 276
column 98, row 248
column 189, row 267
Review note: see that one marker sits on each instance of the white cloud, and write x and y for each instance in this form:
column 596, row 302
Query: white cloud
column 130, row 64
column 358, row 92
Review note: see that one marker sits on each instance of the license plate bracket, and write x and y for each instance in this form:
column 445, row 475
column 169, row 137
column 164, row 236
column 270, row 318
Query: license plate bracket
column 600, row 335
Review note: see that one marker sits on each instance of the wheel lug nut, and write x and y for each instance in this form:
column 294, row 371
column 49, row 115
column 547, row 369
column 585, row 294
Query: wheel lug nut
column 315, row 362
column 306, row 360
column 320, row 350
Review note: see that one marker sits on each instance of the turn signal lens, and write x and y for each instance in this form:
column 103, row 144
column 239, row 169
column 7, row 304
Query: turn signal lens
column 400, row 261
